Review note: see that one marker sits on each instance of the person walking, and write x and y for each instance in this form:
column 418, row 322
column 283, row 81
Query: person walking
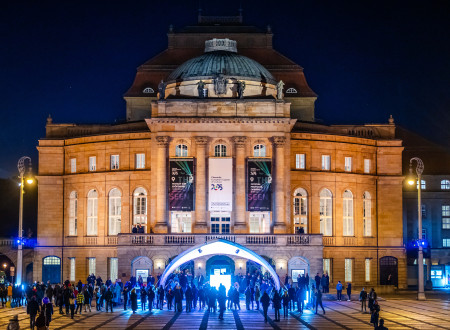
column 363, row 299
column 109, row 299
column 151, row 297
column 161, row 294
column 257, row 296
column 87, row 299
column 133, row 298
column 318, row 296
column 32, row 310
column 285, row 299
column 80, row 301
column 143, row 298
column 71, row 304
column 276, row 302
column 222, row 298
column 339, row 291
column 178, row 293
column 236, row 301
column 47, row 309
column 349, row 291
column 375, row 314
column 372, row 298
column 265, row 302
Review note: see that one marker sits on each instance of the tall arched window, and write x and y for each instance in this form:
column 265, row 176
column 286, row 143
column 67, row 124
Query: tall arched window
column 367, row 214
column 259, row 150
column 326, row 212
column 348, row 213
column 300, row 211
column 73, row 213
column 140, row 206
column 115, row 201
column 220, row 150
column 92, row 213
column 181, row 150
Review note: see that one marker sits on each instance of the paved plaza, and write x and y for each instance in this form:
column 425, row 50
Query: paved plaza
column 398, row 314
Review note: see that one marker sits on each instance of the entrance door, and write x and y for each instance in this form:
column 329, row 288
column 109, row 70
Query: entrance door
column 389, row 271
column 220, row 223
column 51, row 269
column 260, row 222
column 181, row 222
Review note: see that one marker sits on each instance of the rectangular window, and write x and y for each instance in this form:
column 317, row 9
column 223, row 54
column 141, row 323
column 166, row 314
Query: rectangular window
column 423, row 184
column 92, row 163
column 326, row 162
column 348, row 164
column 366, row 165
column 140, row 161
column 446, row 242
column 259, row 222
column 348, row 270
column 300, row 161
column 73, row 165
column 181, row 222
column 72, row 270
column 445, row 216
column 114, row 162
column 327, row 264
column 113, row 269
column 91, row 265
column 424, row 233
column 424, row 211
column 220, row 223
column 367, row 270
column 445, row 184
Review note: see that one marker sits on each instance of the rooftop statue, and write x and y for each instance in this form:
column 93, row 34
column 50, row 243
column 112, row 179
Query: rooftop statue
column 162, row 90
column 241, row 88
column 280, row 87
column 200, row 88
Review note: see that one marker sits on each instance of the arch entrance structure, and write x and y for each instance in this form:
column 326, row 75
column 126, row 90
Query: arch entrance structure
column 218, row 247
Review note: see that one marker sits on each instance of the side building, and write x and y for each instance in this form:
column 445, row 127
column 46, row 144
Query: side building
column 221, row 152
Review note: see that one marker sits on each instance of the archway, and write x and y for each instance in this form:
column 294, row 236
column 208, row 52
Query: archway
column 51, row 269
column 298, row 266
column 389, row 271
column 141, row 266
column 5, row 268
column 218, row 247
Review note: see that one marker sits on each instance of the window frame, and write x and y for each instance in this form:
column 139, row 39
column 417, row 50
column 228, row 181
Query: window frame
column 367, row 214
column 300, row 161
column 220, row 150
column 300, row 210
column 114, row 211
column 140, row 203
column 348, row 270
column 181, row 150
column 326, row 162
column 348, row 164
column 139, row 161
column 445, row 216
column 92, row 213
column 73, row 165
column 367, row 163
column 348, row 214
column 445, row 184
column 114, row 162
column 326, row 212
column 92, row 163
column 73, row 213
column 259, row 150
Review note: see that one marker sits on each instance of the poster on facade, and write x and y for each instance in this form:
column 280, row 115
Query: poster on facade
column 259, row 185
column 220, row 184
column 181, row 185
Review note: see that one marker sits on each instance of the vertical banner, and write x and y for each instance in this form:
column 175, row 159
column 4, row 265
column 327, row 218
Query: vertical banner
column 259, row 185
column 220, row 184
column 181, row 185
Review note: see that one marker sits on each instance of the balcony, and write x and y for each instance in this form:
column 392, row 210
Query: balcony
column 197, row 239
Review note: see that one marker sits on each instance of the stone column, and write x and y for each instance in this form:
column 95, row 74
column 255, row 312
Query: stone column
column 240, row 195
column 161, row 185
column 280, row 207
column 200, row 186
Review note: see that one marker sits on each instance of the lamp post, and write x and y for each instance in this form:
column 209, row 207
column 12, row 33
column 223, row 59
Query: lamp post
column 411, row 181
column 22, row 170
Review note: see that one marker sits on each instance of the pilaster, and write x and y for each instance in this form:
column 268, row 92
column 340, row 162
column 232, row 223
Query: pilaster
column 239, row 224
column 161, row 185
column 280, row 206
column 200, row 187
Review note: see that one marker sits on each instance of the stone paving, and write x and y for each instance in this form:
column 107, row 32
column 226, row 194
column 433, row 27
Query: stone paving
column 398, row 314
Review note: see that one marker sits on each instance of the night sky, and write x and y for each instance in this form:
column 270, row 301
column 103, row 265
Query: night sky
column 365, row 60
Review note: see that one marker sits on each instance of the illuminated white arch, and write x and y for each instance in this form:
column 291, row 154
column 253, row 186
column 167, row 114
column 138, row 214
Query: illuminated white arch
column 217, row 247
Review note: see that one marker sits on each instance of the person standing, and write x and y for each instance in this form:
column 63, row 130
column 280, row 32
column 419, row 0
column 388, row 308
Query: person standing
column 363, row 299
column 189, row 298
column 33, row 310
column 381, row 326
column 109, row 299
column 248, row 296
column 339, row 291
column 161, row 294
column 222, row 297
column 87, row 299
column 319, row 300
column 169, row 296
column 236, row 301
column 151, row 297
column 265, row 302
column 125, row 298
column 349, row 291
column 276, row 302
column 285, row 299
column 71, row 303
column 178, row 299
column 80, row 301
column 47, row 309
column 317, row 280
column 375, row 314
column 372, row 298
column 257, row 296
column 133, row 298
column 143, row 298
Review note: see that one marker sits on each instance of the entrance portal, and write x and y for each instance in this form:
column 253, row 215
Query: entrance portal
column 219, row 270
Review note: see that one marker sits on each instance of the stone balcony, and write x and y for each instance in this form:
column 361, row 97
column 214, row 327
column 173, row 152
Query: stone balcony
column 197, row 239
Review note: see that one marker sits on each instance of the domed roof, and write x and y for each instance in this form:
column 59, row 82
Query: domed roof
column 221, row 60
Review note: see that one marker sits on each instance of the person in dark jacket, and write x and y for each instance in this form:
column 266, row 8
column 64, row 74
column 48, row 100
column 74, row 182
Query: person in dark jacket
column 161, row 294
column 151, row 297
column 285, row 300
column 125, row 298
column 169, row 297
column 79, row 286
column 143, row 298
column 276, row 301
column 363, row 299
column 265, row 302
column 381, row 326
column 33, row 310
column 133, row 298
column 189, row 298
column 47, row 309
column 194, row 296
column 375, row 314
column 87, row 299
column 349, row 291
column 222, row 298
column 178, row 293
column 109, row 299
column 318, row 295
column 248, row 297
column 212, row 296
column 317, row 280
column 372, row 298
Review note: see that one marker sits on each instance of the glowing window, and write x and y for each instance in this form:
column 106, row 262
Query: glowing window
column 181, row 150
column 259, row 150
column 326, row 212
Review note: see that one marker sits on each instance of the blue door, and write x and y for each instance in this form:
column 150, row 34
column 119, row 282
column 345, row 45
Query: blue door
column 51, row 269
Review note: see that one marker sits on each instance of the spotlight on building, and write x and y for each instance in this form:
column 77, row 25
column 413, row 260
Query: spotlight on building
column 237, row 251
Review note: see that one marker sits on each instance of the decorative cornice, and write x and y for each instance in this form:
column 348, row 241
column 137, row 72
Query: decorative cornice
column 279, row 141
column 162, row 141
column 201, row 140
column 190, row 120
column 239, row 141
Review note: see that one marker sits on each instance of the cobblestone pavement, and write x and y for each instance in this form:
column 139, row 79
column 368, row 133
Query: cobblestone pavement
column 398, row 314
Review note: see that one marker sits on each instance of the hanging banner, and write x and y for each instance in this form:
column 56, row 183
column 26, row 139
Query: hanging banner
column 259, row 185
column 220, row 184
column 181, row 185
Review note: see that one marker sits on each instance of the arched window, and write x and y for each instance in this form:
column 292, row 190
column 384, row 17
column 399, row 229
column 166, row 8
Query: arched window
column 92, row 213
column 115, row 201
column 367, row 214
column 445, row 184
column 220, row 150
column 148, row 90
column 259, row 150
column 73, row 213
column 326, row 212
column 348, row 213
column 300, row 211
column 181, row 150
column 291, row 90
column 140, row 206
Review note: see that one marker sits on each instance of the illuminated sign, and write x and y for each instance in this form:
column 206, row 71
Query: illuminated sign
column 259, row 185
column 181, row 185
column 220, row 184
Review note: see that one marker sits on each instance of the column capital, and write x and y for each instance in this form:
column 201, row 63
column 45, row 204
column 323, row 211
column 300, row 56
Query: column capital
column 239, row 141
column 162, row 141
column 279, row 141
column 201, row 140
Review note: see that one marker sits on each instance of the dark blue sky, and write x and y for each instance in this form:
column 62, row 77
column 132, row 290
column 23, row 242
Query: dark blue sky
column 365, row 59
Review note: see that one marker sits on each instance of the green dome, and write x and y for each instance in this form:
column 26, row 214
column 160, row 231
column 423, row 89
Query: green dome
column 230, row 64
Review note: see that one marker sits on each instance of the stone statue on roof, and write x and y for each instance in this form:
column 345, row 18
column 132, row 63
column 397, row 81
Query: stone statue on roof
column 280, row 87
column 241, row 88
column 200, row 88
column 220, row 84
column 162, row 90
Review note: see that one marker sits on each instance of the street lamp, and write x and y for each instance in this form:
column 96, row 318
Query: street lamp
column 411, row 181
column 24, row 176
